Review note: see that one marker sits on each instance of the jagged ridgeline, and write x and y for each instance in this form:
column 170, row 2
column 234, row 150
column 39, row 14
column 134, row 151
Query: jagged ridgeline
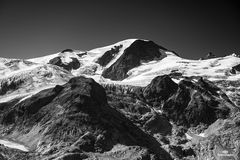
column 131, row 100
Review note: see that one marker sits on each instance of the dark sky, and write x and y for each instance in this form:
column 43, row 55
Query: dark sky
column 32, row 28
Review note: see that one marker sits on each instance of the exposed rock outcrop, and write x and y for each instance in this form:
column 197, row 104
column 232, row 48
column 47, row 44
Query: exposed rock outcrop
column 109, row 55
column 188, row 103
column 125, row 100
column 160, row 89
column 138, row 52
column 74, row 64
column 235, row 69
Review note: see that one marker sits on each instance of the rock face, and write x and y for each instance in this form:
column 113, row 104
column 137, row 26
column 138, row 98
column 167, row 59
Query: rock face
column 160, row 89
column 235, row 69
column 125, row 100
column 139, row 51
column 74, row 64
column 77, row 115
column 194, row 103
column 109, row 55
column 188, row 103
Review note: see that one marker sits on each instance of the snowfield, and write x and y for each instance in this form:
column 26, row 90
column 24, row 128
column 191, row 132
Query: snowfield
column 212, row 69
column 30, row 80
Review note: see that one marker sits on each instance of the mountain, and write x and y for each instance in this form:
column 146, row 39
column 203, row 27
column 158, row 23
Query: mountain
column 131, row 100
column 129, row 62
column 137, row 62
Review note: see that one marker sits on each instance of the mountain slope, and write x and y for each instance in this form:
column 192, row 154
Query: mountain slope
column 75, row 116
column 139, row 51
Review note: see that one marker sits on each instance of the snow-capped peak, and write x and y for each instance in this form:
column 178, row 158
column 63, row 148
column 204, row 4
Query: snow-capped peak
column 105, row 63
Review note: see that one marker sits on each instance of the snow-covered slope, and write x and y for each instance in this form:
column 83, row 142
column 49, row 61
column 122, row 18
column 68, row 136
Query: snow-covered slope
column 43, row 72
column 87, row 59
column 21, row 78
column 213, row 69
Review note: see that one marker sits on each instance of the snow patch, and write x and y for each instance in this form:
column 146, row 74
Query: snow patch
column 14, row 145
column 202, row 135
column 188, row 136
